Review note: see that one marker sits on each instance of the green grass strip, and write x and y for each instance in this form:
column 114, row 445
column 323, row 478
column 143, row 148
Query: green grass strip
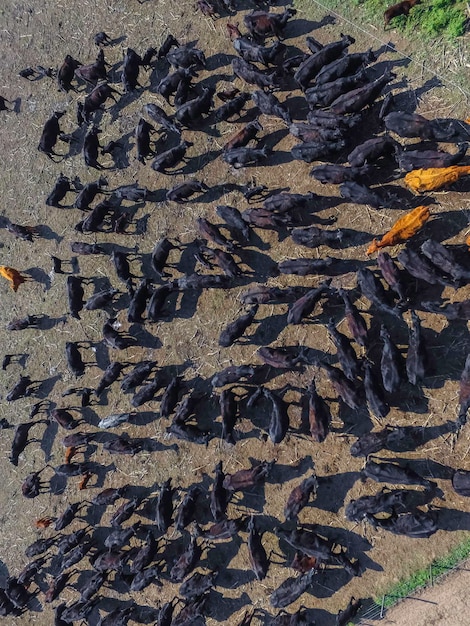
column 430, row 18
column 422, row 577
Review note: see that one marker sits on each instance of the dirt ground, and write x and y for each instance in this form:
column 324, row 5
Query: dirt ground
column 446, row 603
column 186, row 342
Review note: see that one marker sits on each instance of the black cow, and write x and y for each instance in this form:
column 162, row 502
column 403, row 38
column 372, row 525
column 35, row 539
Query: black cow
column 261, row 24
column 50, row 134
column 171, row 157
column 192, row 111
column 243, row 136
column 250, row 74
column 251, row 51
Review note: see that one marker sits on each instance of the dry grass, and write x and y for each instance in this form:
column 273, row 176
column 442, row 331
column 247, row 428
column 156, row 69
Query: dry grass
column 43, row 35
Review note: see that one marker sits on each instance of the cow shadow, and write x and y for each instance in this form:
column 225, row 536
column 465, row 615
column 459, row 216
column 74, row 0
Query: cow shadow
column 332, row 491
column 452, row 519
column 39, row 276
column 45, row 232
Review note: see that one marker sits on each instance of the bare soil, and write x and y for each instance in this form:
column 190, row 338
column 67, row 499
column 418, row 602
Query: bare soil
column 186, row 343
column 445, row 603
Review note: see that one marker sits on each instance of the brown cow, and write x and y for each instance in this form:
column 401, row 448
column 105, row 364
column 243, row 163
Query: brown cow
column 402, row 8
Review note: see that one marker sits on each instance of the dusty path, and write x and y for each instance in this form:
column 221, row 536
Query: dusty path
column 445, row 604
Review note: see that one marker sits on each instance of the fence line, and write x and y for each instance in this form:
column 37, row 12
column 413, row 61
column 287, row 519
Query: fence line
column 376, row 612
column 444, row 79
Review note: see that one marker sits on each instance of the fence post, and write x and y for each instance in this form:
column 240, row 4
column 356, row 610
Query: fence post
column 382, row 607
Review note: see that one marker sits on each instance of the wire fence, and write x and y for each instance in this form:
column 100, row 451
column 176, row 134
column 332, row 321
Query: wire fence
column 444, row 78
column 377, row 610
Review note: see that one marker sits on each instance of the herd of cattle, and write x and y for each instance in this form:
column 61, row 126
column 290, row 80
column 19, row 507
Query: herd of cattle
column 342, row 106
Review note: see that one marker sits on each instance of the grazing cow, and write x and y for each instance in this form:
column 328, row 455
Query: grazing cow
column 228, row 411
column 50, row 134
column 409, row 125
column 392, row 365
column 187, row 57
column 158, row 115
column 461, row 482
column 299, row 497
column 385, row 501
column 262, row 218
column 304, row 267
column 304, row 305
column 394, row 474
column 344, row 66
column 74, row 359
column 391, row 275
column 206, row 7
column 374, row 392
column 344, row 617
column 312, row 237
column 94, row 72
column 58, row 193
column 130, row 70
column 251, row 51
column 308, row 133
column 361, row 194
column 409, row 160
column 232, row 374
column 233, row 218
column 142, row 139
column 291, row 589
column 262, row 24
column 268, row 104
column 95, row 99
column 94, row 219
column 75, row 295
column 246, row 478
column 231, row 108
column 371, row 150
column 286, row 202
column 319, row 415
column 258, row 558
column 210, row 231
column 157, row 302
column 416, row 358
column 166, row 46
column 314, row 63
column 372, row 289
column 171, row 157
column 346, row 390
column 444, row 259
column 354, row 319
column 345, row 352
column 171, row 83
column 91, row 147
column 328, row 119
column 241, row 157
column 88, row 193
column 261, row 294
column 316, row 150
column 337, row 174
column 66, row 73
column 251, row 75
column 192, row 111
column 325, row 94
column 160, row 254
column 421, row 268
column 355, row 100
column 401, row 8
column 283, row 358
column 182, row 192
column 243, row 136
column 416, row 525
